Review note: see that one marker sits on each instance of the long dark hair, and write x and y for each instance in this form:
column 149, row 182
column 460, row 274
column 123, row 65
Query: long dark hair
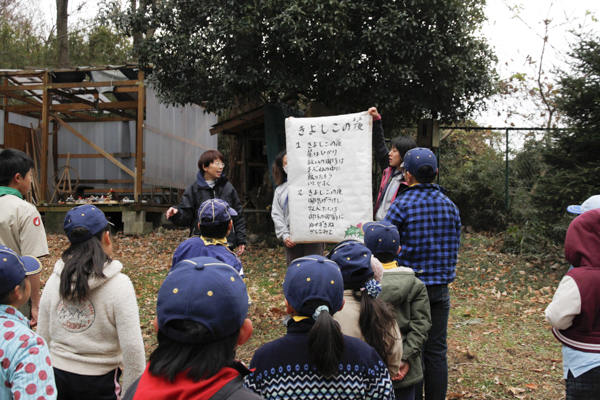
column 82, row 260
column 201, row 360
column 325, row 341
column 376, row 323
column 279, row 175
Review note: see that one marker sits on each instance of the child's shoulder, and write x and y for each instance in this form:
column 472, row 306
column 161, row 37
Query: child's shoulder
column 14, row 202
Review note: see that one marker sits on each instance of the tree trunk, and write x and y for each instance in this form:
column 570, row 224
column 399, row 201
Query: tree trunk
column 62, row 33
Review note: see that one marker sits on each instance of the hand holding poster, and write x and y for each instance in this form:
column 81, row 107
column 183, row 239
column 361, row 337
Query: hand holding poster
column 329, row 176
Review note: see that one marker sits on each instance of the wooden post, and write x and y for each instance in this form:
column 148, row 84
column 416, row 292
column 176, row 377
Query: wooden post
column 4, row 108
column 139, row 138
column 46, row 103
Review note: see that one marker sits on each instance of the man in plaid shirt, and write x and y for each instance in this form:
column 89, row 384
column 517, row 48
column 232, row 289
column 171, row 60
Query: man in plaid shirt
column 429, row 227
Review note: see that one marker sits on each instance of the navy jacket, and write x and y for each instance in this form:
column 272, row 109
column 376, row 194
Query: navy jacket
column 197, row 193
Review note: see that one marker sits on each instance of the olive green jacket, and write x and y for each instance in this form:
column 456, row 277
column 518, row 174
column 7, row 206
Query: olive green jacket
column 408, row 295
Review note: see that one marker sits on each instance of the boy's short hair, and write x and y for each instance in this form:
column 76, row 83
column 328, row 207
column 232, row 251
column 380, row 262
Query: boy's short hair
column 422, row 164
column 13, row 162
column 215, row 231
column 208, row 157
column 214, row 216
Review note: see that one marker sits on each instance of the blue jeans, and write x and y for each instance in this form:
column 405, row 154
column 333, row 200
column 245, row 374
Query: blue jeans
column 435, row 361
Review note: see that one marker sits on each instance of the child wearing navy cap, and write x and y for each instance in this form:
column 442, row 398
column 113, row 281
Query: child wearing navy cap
column 215, row 223
column 89, row 314
column 408, row 296
column 364, row 316
column 202, row 312
column 26, row 370
column 315, row 359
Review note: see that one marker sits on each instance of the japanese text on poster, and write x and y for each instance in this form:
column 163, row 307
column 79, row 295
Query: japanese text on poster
column 329, row 176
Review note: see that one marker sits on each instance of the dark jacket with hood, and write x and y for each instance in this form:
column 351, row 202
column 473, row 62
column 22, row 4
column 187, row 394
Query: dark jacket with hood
column 575, row 309
column 197, row 193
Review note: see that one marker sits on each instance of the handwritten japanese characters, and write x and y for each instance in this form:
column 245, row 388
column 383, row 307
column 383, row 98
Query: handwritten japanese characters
column 329, row 176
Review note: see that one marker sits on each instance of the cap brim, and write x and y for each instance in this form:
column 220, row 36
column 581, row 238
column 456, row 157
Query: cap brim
column 574, row 209
column 32, row 265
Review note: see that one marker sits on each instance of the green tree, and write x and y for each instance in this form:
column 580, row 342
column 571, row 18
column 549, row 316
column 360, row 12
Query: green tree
column 25, row 43
column 413, row 58
column 572, row 156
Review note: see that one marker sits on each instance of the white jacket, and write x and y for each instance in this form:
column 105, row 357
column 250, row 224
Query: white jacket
column 280, row 212
column 99, row 334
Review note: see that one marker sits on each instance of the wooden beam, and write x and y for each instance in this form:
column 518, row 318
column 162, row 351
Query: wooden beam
column 21, row 98
column 95, row 147
column 105, row 190
column 125, row 89
column 47, row 101
column 94, row 155
column 92, row 104
column 102, row 181
column 4, row 105
column 84, row 117
column 238, row 120
column 139, row 137
column 73, row 85
column 113, row 105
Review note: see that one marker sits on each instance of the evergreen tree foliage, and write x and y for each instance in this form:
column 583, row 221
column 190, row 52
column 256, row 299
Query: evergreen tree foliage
column 412, row 58
column 573, row 155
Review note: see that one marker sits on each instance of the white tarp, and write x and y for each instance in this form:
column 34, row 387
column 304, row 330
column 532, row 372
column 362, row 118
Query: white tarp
column 329, row 176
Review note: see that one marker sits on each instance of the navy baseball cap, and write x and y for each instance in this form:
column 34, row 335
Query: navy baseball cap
column 215, row 211
column 86, row 216
column 381, row 237
column 354, row 260
column 205, row 290
column 13, row 268
column 313, row 278
column 590, row 204
column 417, row 158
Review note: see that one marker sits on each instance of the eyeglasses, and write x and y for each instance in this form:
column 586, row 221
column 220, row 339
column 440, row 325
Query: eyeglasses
column 219, row 164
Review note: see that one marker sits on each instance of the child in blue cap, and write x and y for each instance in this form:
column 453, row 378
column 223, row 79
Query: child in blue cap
column 26, row 370
column 315, row 359
column 408, row 296
column 89, row 314
column 215, row 223
column 202, row 312
column 364, row 316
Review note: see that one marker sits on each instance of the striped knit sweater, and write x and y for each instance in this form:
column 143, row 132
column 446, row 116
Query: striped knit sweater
column 282, row 369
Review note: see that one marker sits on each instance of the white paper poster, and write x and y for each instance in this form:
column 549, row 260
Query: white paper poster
column 329, row 176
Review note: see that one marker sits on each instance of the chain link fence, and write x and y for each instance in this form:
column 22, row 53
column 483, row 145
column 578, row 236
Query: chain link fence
column 490, row 173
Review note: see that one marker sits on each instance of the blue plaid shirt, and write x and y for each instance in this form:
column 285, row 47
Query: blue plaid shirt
column 429, row 227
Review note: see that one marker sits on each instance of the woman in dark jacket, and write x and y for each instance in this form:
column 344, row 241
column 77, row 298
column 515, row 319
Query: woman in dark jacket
column 210, row 184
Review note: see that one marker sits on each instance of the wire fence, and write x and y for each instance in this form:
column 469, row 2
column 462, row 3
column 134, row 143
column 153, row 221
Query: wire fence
column 513, row 165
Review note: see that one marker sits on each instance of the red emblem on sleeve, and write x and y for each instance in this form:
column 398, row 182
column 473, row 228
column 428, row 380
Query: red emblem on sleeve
column 36, row 221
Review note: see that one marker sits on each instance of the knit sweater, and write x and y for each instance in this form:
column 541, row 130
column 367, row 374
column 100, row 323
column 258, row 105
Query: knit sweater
column 348, row 318
column 282, row 369
column 99, row 334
